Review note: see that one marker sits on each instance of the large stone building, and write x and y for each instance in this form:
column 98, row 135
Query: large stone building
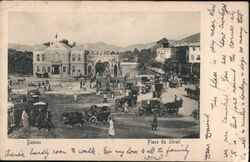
column 109, row 57
column 58, row 60
column 186, row 56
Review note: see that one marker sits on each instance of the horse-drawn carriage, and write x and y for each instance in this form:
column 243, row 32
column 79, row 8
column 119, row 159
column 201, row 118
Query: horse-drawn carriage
column 152, row 106
column 42, row 75
column 131, row 98
column 173, row 83
column 99, row 113
column 71, row 118
column 173, row 107
column 96, row 113
column 38, row 114
column 156, row 107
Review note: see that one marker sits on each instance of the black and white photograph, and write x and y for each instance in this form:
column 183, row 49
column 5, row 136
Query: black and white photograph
column 95, row 75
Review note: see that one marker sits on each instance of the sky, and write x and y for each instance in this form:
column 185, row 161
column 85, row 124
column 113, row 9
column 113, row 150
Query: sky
column 118, row 28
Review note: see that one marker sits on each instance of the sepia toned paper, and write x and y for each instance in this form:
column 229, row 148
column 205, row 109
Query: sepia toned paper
column 223, row 118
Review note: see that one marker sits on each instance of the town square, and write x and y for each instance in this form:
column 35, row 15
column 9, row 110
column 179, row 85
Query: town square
column 63, row 88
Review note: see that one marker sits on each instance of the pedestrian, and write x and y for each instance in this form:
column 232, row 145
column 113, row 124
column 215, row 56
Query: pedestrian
column 111, row 127
column 126, row 107
column 80, row 84
column 154, row 123
column 105, row 98
column 49, row 87
column 112, row 94
column 97, row 91
column 25, row 118
column 75, row 97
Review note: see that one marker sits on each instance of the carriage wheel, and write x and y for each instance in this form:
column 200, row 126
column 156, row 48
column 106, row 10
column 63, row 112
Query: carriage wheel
column 111, row 116
column 141, row 112
column 163, row 112
column 93, row 120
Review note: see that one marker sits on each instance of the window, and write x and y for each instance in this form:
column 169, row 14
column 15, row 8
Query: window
column 193, row 48
column 192, row 57
column 198, row 57
column 64, row 69
column 79, row 57
column 73, row 57
column 43, row 57
column 38, row 69
column 73, row 69
column 43, row 69
column 48, row 69
column 38, row 57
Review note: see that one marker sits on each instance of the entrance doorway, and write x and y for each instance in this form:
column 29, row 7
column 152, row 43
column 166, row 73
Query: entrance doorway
column 55, row 69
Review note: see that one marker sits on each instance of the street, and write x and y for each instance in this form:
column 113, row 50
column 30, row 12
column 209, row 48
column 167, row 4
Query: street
column 127, row 125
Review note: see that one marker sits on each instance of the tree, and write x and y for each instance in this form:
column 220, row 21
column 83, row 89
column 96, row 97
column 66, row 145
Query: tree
column 146, row 57
column 20, row 62
column 169, row 68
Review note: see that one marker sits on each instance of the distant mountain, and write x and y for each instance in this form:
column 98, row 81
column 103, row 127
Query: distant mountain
column 102, row 46
column 20, row 47
column 138, row 46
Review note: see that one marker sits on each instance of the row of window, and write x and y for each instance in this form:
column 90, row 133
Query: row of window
column 56, row 57
column 74, row 57
column 197, row 58
column 48, row 70
column 43, row 69
column 38, row 57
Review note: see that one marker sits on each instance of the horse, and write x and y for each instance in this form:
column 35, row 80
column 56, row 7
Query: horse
column 71, row 118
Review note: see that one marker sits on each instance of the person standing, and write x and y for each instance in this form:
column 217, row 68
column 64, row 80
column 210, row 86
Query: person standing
column 25, row 118
column 75, row 97
column 80, row 84
column 111, row 127
column 126, row 107
column 154, row 123
column 105, row 98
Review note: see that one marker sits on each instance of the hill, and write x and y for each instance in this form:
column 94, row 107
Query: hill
column 191, row 39
column 102, row 46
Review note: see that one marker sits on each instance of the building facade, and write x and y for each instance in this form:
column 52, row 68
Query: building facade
column 186, row 57
column 109, row 57
column 58, row 60
column 162, row 49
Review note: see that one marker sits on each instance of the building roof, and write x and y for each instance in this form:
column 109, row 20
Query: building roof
column 196, row 44
column 163, row 40
column 77, row 48
column 40, row 47
column 58, row 46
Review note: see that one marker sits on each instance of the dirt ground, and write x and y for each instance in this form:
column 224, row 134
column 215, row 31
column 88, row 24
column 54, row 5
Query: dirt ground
column 128, row 125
